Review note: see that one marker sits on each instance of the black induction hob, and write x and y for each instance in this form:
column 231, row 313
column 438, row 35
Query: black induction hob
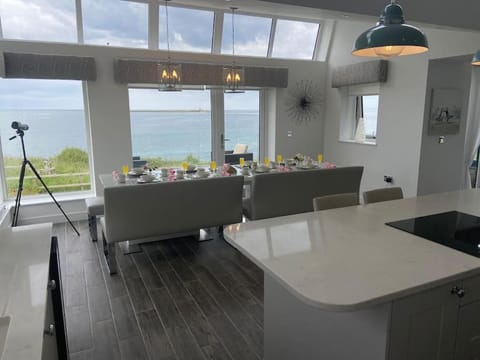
column 453, row 229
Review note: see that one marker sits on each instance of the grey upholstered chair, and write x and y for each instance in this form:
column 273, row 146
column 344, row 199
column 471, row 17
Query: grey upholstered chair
column 385, row 194
column 335, row 201
column 95, row 208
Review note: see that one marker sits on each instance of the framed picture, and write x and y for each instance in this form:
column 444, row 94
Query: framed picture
column 445, row 112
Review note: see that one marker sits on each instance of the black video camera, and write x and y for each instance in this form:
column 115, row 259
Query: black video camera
column 17, row 125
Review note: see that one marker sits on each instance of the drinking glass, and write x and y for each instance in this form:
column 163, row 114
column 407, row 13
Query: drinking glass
column 184, row 166
column 320, row 158
column 213, row 166
column 125, row 170
column 279, row 158
column 242, row 162
column 266, row 161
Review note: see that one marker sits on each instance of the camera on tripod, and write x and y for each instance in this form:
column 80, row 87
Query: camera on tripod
column 17, row 125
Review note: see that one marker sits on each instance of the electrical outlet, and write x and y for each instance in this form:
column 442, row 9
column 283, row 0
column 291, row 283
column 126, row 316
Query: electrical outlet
column 388, row 179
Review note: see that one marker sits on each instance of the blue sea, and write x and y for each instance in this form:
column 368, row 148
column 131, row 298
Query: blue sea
column 167, row 134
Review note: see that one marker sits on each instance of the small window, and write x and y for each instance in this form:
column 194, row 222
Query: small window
column 116, row 23
column 190, row 30
column 295, row 39
column 39, row 20
column 252, row 34
column 360, row 114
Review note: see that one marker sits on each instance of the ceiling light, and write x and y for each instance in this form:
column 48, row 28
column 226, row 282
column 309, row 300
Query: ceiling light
column 391, row 36
column 169, row 74
column 233, row 76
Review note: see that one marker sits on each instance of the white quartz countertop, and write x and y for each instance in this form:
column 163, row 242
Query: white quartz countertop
column 24, row 266
column 347, row 259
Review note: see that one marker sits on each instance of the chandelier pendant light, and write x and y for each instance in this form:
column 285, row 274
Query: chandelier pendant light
column 476, row 59
column 233, row 76
column 169, row 74
column 391, row 36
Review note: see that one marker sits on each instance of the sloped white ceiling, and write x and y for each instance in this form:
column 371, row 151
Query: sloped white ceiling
column 453, row 13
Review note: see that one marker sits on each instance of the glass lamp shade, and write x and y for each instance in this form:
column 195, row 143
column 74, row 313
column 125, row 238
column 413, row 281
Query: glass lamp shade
column 169, row 77
column 391, row 37
column 476, row 59
column 233, row 79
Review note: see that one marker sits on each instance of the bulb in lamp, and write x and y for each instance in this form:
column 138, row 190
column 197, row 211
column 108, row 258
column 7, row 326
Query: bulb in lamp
column 390, row 50
column 237, row 77
column 174, row 75
column 229, row 77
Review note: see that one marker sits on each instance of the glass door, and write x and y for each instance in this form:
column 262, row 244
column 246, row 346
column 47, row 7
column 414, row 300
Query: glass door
column 242, row 126
column 169, row 128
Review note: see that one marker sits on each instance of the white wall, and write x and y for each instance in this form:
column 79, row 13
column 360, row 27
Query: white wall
column 108, row 110
column 441, row 165
column 307, row 136
column 401, row 107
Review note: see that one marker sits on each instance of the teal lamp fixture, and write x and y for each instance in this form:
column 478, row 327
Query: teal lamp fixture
column 476, row 58
column 391, row 36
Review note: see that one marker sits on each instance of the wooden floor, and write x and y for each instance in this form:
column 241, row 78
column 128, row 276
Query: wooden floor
column 177, row 299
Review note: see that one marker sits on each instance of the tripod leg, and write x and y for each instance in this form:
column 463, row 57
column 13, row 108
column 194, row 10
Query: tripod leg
column 51, row 195
column 18, row 198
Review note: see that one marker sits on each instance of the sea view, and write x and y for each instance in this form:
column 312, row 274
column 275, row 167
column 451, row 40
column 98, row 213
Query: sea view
column 167, row 134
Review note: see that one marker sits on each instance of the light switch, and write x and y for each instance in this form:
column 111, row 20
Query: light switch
column 290, row 133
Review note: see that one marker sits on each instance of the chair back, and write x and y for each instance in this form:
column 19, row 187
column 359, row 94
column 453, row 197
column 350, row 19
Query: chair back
column 149, row 210
column 279, row 194
column 335, row 201
column 384, row 194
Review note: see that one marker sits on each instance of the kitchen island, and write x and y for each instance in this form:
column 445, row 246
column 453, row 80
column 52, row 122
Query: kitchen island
column 340, row 284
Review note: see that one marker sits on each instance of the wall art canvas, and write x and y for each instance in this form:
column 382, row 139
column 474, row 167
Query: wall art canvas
column 445, row 112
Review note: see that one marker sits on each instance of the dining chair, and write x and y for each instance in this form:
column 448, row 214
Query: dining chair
column 384, row 194
column 335, row 201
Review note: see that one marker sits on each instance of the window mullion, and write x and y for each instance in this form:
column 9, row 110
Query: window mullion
column 318, row 41
column 153, row 25
column 217, row 32
column 79, row 17
column 272, row 37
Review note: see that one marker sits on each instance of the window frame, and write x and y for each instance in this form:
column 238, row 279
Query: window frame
column 58, row 195
column 350, row 112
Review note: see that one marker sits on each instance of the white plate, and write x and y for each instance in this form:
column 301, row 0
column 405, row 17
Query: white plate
column 132, row 173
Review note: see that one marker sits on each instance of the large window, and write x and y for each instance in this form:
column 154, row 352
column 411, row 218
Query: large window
column 242, row 121
column 190, row 30
column 115, row 22
column 56, row 140
column 295, row 39
column 252, row 34
column 39, row 20
column 360, row 114
column 171, row 127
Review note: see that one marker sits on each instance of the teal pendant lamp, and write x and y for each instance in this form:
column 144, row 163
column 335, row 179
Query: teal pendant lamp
column 476, row 59
column 391, row 36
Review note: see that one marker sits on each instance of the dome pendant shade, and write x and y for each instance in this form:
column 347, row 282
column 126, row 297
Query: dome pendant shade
column 476, row 59
column 391, row 36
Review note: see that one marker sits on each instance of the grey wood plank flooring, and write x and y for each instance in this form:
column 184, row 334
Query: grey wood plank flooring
column 176, row 299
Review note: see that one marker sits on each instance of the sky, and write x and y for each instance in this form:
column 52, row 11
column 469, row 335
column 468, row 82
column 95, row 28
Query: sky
column 123, row 23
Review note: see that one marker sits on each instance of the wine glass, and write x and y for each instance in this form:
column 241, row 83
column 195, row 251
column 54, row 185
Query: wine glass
column 125, row 170
column 242, row 162
column 184, row 166
column 279, row 158
column 266, row 161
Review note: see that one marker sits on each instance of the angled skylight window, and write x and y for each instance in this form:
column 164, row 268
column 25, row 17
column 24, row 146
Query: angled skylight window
column 252, row 34
column 190, row 29
column 39, row 20
column 116, row 23
column 295, row 39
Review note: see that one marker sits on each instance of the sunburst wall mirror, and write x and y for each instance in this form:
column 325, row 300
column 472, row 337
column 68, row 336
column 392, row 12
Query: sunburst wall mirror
column 304, row 102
